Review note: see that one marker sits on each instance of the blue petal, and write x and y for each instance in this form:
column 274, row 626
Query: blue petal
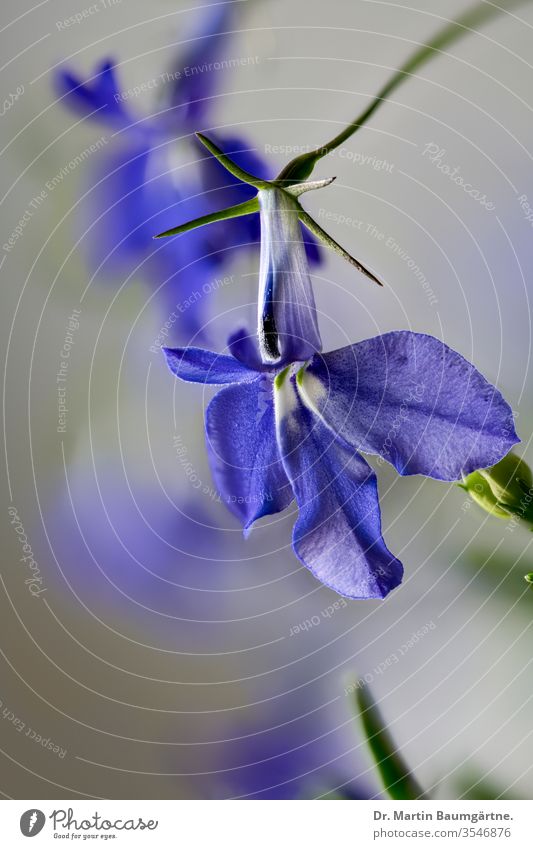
column 184, row 267
column 243, row 452
column 243, row 346
column 338, row 532
column 312, row 247
column 287, row 321
column 176, row 275
column 99, row 95
column 415, row 402
column 115, row 207
column 130, row 196
column 195, row 73
column 196, row 365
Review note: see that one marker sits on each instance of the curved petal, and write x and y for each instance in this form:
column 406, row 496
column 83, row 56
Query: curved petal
column 99, row 97
column 415, row 402
column 287, row 321
column 312, row 246
column 131, row 194
column 243, row 451
column 243, row 345
column 178, row 293
column 338, row 532
column 196, row 72
column 114, row 209
column 195, row 365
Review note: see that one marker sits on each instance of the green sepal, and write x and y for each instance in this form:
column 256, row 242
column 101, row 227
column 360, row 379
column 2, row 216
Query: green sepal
column 395, row 775
column 297, row 189
column 329, row 242
column 246, row 208
column 231, row 166
column 299, row 168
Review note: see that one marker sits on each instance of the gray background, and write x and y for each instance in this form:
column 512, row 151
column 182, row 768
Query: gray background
column 116, row 683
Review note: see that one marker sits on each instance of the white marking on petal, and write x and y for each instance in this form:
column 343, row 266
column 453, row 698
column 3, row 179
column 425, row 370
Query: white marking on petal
column 312, row 392
column 285, row 400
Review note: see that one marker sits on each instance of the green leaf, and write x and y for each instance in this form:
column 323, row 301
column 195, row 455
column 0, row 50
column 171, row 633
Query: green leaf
column 476, row 787
column 302, row 166
column 231, row 166
column 327, row 240
column 246, row 208
column 397, row 780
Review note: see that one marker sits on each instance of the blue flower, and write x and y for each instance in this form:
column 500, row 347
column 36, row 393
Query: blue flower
column 292, row 422
column 297, row 432
column 141, row 179
column 281, row 756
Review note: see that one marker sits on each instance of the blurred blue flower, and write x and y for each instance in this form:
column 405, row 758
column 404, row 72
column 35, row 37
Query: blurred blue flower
column 289, row 753
column 142, row 179
column 135, row 553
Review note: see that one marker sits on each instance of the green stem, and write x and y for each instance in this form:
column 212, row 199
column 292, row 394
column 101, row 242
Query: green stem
column 302, row 166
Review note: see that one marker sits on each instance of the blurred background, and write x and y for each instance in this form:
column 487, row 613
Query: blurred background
column 147, row 650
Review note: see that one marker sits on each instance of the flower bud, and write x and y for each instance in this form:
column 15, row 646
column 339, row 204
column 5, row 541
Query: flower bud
column 503, row 490
column 480, row 492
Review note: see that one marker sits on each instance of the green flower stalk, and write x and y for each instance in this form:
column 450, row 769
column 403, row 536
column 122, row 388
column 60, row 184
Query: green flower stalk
column 293, row 178
column 302, row 166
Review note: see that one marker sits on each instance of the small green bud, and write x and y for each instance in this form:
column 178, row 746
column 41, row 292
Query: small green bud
column 510, row 479
column 480, row 492
column 503, row 490
column 528, row 578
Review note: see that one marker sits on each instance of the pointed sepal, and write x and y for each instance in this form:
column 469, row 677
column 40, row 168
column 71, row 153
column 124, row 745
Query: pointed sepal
column 297, row 189
column 329, row 242
column 230, row 165
column 246, row 208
